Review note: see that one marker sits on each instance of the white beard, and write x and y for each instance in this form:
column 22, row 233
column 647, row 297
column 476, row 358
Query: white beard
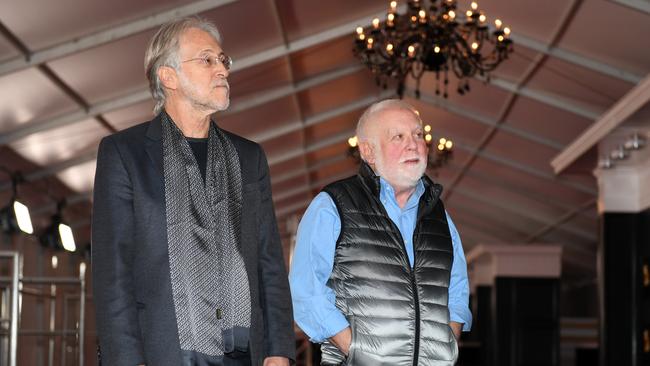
column 401, row 176
column 203, row 104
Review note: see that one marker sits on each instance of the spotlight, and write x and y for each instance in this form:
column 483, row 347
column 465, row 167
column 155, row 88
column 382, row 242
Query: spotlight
column 634, row 142
column 619, row 153
column 58, row 235
column 605, row 162
column 15, row 216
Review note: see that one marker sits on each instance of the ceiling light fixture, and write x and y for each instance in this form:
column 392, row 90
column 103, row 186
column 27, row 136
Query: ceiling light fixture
column 623, row 151
column 15, row 216
column 59, row 235
column 432, row 38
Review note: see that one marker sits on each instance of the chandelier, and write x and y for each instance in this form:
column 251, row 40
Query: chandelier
column 432, row 38
column 437, row 158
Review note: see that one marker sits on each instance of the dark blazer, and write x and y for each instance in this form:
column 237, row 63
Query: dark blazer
column 136, row 321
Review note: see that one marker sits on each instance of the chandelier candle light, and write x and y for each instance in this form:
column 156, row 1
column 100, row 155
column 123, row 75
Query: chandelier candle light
column 434, row 39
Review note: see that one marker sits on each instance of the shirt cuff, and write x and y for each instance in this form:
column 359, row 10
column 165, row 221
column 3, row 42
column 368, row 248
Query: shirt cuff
column 333, row 323
column 461, row 314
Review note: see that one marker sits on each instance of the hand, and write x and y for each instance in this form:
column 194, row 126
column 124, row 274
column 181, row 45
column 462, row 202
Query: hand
column 343, row 340
column 456, row 328
column 276, row 361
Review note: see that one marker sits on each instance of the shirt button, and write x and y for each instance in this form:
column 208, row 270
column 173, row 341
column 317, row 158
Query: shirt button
column 219, row 314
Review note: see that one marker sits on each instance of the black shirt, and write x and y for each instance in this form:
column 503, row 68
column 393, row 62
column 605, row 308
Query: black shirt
column 200, row 150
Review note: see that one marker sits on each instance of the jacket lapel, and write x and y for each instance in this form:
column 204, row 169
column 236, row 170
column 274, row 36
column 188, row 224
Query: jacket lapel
column 154, row 144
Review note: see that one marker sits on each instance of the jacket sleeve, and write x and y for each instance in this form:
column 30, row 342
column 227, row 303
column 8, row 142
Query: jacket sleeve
column 112, row 260
column 279, row 338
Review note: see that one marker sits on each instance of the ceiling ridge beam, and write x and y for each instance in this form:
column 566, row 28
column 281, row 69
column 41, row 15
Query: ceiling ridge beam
column 260, row 98
column 327, row 142
column 342, row 137
column 54, row 168
column 301, row 205
column 576, row 58
column 520, row 191
column 250, row 61
column 298, row 125
column 470, row 212
column 303, row 43
column 143, row 95
column 265, row 96
column 475, row 116
column 93, row 111
column 287, row 128
column 284, row 211
column 549, row 223
column 308, row 187
column 246, row 62
column 112, row 34
column 632, row 101
column 526, row 169
column 512, row 164
column 300, row 171
column 561, row 220
column 514, row 189
column 510, row 101
column 525, row 214
column 548, row 98
column 292, row 79
column 310, row 121
column 517, row 190
column 642, row 6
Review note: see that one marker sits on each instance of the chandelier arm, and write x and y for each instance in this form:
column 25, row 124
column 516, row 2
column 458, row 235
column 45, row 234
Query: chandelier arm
column 430, row 36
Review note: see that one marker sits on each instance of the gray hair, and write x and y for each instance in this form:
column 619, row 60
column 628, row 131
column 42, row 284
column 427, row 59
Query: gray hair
column 370, row 112
column 163, row 51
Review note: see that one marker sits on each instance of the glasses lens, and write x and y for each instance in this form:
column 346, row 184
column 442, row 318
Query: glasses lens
column 226, row 61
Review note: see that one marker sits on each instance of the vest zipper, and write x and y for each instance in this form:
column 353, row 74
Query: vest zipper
column 416, row 297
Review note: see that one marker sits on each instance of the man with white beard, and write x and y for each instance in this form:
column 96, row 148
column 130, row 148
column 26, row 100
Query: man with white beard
column 379, row 276
column 187, row 260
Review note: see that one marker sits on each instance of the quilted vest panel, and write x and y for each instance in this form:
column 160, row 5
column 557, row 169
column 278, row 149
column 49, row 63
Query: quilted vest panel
column 398, row 314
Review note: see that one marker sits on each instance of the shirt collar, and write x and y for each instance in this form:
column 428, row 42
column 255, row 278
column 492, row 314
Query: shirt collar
column 387, row 194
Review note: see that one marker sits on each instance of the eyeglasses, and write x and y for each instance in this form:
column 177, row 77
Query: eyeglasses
column 211, row 61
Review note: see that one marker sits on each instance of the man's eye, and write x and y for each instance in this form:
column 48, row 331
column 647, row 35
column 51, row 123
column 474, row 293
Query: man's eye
column 397, row 137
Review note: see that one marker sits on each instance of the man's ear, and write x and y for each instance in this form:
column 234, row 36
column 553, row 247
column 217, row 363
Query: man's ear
column 168, row 77
column 367, row 151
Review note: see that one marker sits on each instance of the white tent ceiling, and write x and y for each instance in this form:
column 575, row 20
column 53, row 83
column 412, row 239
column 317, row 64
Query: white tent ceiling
column 71, row 72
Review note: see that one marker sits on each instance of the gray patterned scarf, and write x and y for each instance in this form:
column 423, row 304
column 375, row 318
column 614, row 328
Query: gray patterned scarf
column 209, row 282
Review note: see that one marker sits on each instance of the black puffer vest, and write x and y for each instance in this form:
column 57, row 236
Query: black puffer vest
column 398, row 314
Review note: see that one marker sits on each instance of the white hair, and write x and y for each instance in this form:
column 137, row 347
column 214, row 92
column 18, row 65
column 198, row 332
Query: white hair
column 387, row 104
column 369, row 115
column 163, row 51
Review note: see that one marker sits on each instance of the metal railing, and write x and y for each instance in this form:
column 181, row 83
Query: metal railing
column 17, row 288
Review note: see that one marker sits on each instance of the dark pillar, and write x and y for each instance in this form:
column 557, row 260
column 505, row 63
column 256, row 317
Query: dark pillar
column 483, row 325
column 625, row 289
column 518, row 292
column 526, row 321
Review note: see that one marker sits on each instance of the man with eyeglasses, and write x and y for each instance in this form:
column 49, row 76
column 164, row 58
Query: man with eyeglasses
column 187, row 262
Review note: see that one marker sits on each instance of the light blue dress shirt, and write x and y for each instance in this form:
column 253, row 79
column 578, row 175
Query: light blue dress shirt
column 313, row 259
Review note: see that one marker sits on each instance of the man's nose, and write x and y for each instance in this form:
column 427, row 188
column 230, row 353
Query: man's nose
column 411, row 142
column 221, row 71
